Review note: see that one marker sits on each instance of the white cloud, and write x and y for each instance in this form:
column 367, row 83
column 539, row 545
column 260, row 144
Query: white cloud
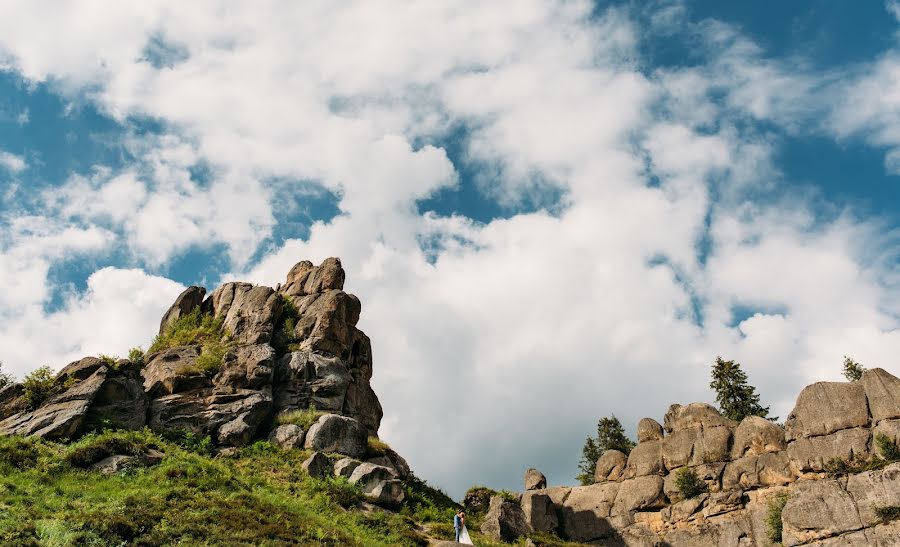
column 12, row 163
column 508, row 338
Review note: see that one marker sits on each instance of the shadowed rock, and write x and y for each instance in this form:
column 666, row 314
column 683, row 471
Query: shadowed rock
column 184, row 304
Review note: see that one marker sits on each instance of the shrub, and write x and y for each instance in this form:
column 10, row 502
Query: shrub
column 887, row 513
column 688, row 484
column 211, row 358
column 888, row 447
column 284, row 338
column 190, row 441
column 303, row 418
column 136, row 356
column 376, row 447
column 5, row 379
column 109, row 360
column 853, row 371
column 94, row 447
column 19, row 452
column 773, row 517
column 478, row 499
column 39, row 385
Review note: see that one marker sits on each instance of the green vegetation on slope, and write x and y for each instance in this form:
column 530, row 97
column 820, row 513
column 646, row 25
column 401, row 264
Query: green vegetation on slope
column 259, row 496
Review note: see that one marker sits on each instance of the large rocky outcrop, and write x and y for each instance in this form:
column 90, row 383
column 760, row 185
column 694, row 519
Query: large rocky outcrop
column 815, row 463
column 280, row 351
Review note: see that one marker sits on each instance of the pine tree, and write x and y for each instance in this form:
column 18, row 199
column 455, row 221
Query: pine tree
column 737, row 399
column 853, row 371
column 610, row 436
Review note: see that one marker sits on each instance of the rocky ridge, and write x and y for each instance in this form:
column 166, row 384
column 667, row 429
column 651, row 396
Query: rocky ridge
column 283, row 351
column 813, row 467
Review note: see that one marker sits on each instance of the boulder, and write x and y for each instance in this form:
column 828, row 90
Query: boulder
column 826, row 407
column 121, row 400
column 610, row 466
column 79, row 370
column 287, row 437
column 345, row 467
column 247, row 367
column 723, row 502
column 645, row 459
column 638, row 494
column 337, row 434
column 248, row 312
column 173, row 370
column 882, row 394
column 818, row 510
column 305, row 279
column 231, row 417
column 388, row 493
column 813, row 453
column 535, row 480
column 875, row 488
column 184, row 304
column 584, row 513
column 756, row 435
column 318, row 465
column 696, row 445
column 394, row 462
column 378, row 484
column 540, row 512
column 12, row 400
column 649, row 429
column 60, row 416
column 327, row 322
column 505, row 521
column 758, row 471
column 683, row 510
column 681, row 417
column 114, row 464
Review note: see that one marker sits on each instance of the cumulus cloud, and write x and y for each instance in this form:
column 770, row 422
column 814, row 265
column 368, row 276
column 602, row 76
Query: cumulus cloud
column 508, row 337
column 11, row 162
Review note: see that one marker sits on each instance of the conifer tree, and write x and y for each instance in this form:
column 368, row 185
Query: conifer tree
column 853, row 371
column 737, row 399
column 610, row 436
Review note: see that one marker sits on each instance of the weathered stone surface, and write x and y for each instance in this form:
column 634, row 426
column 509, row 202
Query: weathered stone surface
column 113, row 464
column 881, row 487
column 121, row 400
column 637, row 494
column 610, row 466
column 817, row 510
column 758, row 471
column 387, row 493
column 79, row 370
column 826, row 407
column 318, row 465
column 811, row 454
column 685, row 509
column 888, row 428
column 288, row 437
column 367, row 475
column 12, row 400
column 208, row 411
column 173, row 371
column 882, row 393
column 338, row 434
column 305, row 378
column 296, row 278
column 345, row 467
column 731, row 529
column 505, row 521
column 248, row 311
column 723, row 502
column 61, row 415
column 247, row 367
column 645, row 459
column 304, row 278
column 756, row 435
column 534, row 480
column 327, row 322
column 696, row 445
column 694, row 415
column 649, row 429
column 585, row 512
column 184, row 304
column 540, row 512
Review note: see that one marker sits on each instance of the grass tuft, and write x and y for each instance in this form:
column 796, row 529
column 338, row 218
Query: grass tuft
column 773, row 517
column 303, row 418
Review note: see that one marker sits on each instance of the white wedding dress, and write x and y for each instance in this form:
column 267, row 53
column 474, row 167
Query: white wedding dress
column 464, row 536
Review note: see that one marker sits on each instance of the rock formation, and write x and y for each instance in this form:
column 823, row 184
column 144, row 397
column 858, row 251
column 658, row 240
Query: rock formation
column 272, row 353
column 814, row 466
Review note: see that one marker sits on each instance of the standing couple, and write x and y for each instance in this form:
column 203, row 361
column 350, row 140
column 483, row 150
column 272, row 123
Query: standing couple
column 462, row 534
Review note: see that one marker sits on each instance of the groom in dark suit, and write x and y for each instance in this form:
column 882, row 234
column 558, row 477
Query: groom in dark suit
column 459, row 520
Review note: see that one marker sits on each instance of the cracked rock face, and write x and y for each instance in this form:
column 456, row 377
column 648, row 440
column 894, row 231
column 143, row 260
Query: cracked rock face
column 235, row 400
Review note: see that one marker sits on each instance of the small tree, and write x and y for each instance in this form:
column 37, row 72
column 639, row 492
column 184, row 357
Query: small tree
column 853, row 371
column 610, row 436
column 5, row 379
column 39, row 385
column 737, row 399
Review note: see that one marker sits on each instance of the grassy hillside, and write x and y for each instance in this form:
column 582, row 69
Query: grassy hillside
column 257, row 496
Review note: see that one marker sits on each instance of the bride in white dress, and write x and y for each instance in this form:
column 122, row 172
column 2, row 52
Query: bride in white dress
column 464, row 532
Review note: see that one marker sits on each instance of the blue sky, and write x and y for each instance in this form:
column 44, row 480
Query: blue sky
column 522, row 194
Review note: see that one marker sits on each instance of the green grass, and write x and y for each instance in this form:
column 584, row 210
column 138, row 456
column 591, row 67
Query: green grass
column 858, row 463
column 303, row 418
column 258, row 496
column 193, row 328
column 773, row 517
column 376, row 447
